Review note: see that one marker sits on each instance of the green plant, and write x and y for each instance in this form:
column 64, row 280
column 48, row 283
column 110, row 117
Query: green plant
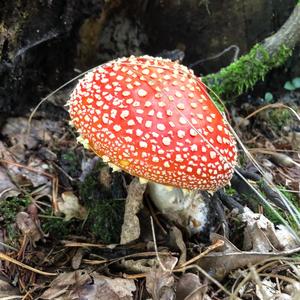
column 268, row 97
column 105, row 212
column 272, row 216
column 230, row 191
column 8, row 211
column 279, row 118
column 57, row 228
column 10, row 207
column 71, row 163
column 292, row 85
column 105, row 219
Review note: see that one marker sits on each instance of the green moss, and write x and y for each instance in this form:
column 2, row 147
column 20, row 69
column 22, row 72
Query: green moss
column 10, row 207
column 105, row 213
column 105, row 219
column 57, row 227
column 230, row 191
column 279, row 117
column 89, row 190
column 8, row 211
column 242, row 75
column 71, row 163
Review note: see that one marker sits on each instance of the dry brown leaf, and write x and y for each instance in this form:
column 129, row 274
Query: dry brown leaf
column 229, row 258
column 134, row 201
column 70, row 207
column 41, row 130
column 83, row 286
column 32, row 173
column 7, row 187
column 65, row 285
column 160, row 282
column 138, row 266
column 29, row 227
column 260, row 234
column 7, row 291
column 189, row 287
column 36, row 177
column 106, row 288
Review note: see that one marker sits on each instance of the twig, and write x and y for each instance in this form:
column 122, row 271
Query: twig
column 217, row 244
column 20, row 264
column 11, row 297
column 236, row 54
column 273, row 105
column 86, row 245
column 155, row 245
column 258, row 282
column 8, row 247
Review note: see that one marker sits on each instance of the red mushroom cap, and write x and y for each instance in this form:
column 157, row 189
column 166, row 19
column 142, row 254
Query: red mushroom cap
column 153, row 118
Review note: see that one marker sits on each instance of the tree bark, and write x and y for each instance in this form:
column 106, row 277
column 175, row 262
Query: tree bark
column 272, row 52
column 43, row 42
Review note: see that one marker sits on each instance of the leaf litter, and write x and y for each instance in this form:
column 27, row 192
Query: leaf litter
column 43, row 176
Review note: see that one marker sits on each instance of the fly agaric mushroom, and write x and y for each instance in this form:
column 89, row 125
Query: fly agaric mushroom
column 154, row 119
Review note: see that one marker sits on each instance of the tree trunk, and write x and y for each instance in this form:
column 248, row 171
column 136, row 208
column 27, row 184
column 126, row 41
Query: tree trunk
column 273, row 52
column 43, row 42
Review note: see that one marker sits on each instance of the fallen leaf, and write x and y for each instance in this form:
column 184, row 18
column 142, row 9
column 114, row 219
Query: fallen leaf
column 293, row 289
column 228, row 258
column 66, row 285
column 134, row 201
column 160, row 282
column 40, row 130
column 7, row 187
column 29, row 227
column 287, row 240
column 260, row 234
column 33, row 172
column 7, row 291
column 84, row 286
column 70, row 207
column 138, row 266
column 266, row 289
column 36, row 177
column 111, row 288
column 190, row 287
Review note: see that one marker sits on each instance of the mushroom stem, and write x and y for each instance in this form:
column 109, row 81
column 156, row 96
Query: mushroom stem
column 188, row 208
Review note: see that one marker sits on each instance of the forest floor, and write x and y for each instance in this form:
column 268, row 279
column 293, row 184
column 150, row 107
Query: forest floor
column 61, row 216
